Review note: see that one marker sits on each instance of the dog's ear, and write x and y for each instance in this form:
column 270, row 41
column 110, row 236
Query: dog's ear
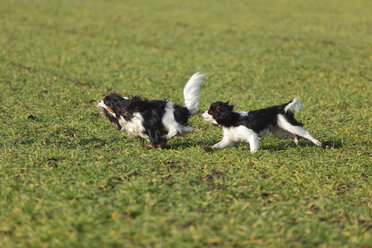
column 135, row 104
column 224, row 114
column 229, row 107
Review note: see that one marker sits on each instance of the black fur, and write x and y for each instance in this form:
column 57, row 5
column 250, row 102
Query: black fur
column 119, row 105
column 112, row 119
column 152, row 112
column 256, row 120
column 181, row 114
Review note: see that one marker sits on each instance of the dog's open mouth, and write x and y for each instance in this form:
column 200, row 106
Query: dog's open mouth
column 110, row 117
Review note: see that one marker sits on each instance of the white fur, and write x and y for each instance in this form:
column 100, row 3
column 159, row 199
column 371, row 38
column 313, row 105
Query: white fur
column 294, row 105
column 233, row 135
column 134, row 127
column 101, row 104
column 296, row 130
column 241, row 133
column 209, row 118
column 242, row 113
column 191, row 96
column 191, row 92
column 171, row 125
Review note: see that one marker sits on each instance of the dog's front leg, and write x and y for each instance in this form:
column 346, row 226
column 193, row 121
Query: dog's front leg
column 224, row 143
column 254, row 143
column 156, row 139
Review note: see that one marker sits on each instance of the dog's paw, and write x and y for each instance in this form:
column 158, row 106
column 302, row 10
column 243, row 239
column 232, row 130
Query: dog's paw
column 207, row 148
column 149, row 147
column 318, row 143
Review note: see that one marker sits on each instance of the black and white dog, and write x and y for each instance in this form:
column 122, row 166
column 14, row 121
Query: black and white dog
column 153, row 120
column 250, row 127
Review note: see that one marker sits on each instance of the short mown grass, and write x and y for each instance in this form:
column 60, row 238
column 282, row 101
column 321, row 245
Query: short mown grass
column 68, row 179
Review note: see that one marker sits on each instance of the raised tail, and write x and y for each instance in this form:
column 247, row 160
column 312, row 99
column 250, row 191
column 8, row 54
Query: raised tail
column 294, row 105
column 191, row 92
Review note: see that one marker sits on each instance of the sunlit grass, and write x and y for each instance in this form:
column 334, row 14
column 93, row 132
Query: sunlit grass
column 68, row 179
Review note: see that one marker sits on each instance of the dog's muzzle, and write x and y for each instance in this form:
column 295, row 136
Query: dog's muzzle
column 109, row 114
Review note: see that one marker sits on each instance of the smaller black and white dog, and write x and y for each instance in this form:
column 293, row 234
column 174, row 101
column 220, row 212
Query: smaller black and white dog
column 250, row 127
column 153, row 120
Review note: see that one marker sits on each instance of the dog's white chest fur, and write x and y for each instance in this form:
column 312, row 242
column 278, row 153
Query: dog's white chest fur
column 134, row 127
column 237, row 134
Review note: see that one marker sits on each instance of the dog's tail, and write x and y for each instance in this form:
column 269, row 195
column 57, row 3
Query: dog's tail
column 293, row 105
column 191, row 92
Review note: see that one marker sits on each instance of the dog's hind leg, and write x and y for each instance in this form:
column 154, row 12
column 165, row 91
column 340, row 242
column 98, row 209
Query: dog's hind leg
column 296, row 130
column 283, row 134
column 295, row 140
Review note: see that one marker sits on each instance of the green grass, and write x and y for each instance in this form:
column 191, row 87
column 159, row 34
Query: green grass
column 68, row 179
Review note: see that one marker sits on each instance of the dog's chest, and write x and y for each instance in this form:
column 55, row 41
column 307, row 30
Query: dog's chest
column 134, row 127
column 238, row 134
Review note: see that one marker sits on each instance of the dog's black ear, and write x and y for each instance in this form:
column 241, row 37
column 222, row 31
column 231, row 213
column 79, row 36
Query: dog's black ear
column 225, row 115
column 230, row 107
column 135, row 104
column 114, row 102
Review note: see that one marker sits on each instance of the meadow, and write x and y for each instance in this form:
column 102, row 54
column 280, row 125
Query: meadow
column 69, row 179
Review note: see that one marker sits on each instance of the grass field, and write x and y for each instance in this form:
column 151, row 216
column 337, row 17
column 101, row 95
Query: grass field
column 69, row 179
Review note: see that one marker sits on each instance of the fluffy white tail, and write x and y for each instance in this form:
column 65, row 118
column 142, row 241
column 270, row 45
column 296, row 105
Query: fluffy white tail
column 294, row 105
column 191, row 92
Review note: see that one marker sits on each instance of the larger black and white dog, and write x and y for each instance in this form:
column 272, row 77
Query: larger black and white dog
column 250, row 127
column 153, row 120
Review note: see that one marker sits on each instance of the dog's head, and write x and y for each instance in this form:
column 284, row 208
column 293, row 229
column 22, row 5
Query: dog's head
column 113, row 107
column 218, row 113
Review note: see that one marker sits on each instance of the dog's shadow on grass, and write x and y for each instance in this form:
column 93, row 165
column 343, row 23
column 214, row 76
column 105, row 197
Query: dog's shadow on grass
column 283, row 146
column 207, row 144
column 184, row 145
column 92, row 141
column 277, row 147
column 336, row 144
